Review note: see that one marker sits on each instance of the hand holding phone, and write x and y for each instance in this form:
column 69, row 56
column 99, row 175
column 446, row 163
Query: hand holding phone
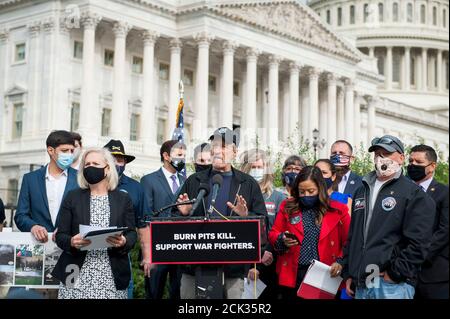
column 290, row 239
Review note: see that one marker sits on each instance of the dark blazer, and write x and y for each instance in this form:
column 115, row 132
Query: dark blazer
column 32, row 207
column 134, row 189
column 435, row 268
column 158, row 192
column 75, row 210
column 353, row 183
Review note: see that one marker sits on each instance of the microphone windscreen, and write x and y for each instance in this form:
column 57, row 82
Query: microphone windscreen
column 217, row 179
column 205, row 187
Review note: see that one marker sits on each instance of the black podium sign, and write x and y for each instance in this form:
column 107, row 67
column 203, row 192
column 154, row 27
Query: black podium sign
column 205, row 242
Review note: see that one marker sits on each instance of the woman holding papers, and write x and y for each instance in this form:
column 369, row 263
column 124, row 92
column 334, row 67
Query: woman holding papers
column 309, row 226
column 96, row 273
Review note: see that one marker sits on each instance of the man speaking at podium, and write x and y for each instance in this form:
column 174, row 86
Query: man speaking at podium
column 238, row 195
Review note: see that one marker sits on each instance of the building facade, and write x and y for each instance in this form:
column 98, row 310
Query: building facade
column 111, row 69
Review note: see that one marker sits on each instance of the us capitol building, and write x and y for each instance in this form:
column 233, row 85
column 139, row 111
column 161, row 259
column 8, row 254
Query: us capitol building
column 111, row 69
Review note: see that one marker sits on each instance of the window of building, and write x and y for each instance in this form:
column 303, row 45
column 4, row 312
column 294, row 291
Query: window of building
column 409, row 12
column 12, row 192
column 328, row 17
column 188, row 77
column 380, row 12
column 352, row 14
column 20, row 52
column 109, row 58
column 78, row 50
column 396, row 66
column 17, row 120
column 74, row 116
column 212, row 83
column 164, row 71
column 395, row 12
column 106, row 122
column 366, row 12
column 339, row 13
column 236, row 88
column 134, row 127
column 380, row 64
column 423, row 18
column 161, row 131
column 434, row 16
column 138, row 64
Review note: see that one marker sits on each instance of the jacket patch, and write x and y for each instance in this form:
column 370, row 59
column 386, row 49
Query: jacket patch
column 360, row 203
column 295, row 220
column 388, row 203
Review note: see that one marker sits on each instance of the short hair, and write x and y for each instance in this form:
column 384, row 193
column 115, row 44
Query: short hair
column 112, row 176
column 204, row 147
column 77, row 137
column 61, row 137
column 167, row 146
column 294, row 160
column 344, row 142
column 430, row 153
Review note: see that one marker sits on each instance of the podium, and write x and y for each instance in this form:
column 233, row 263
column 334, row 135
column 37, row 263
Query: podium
column 201, row 242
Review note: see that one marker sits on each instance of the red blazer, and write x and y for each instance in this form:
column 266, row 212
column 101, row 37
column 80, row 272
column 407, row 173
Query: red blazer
column 333, row 236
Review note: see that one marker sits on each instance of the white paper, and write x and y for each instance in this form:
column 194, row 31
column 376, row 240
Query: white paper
column 84, row 229
column 98, row 241
column 319, row 276
column 249, row 289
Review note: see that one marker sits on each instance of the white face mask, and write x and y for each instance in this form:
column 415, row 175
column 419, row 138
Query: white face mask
column 257, row 174
column 386, row 167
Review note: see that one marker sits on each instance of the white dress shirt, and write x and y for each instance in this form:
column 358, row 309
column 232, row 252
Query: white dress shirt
column 343, row 182
column 55, row 191
column 426, row 183
column 168, row 176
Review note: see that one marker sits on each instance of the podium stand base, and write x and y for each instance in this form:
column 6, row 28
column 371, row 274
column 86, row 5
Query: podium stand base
column 209, row 282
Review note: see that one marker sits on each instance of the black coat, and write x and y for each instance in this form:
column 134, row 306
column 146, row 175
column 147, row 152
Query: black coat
column 399, row 234
column 75, row 210
column 435, row 268
column 248, row 188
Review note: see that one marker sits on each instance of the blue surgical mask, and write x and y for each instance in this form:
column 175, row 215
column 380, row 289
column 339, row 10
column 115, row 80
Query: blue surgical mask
column 289, row 178
column 120, row 169
column 329, row 182
column 308, row 202
column 64, row 160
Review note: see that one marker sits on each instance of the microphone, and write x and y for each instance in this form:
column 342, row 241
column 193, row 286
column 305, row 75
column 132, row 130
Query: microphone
column 203, row 192
column 159, row 211
column 217, row 182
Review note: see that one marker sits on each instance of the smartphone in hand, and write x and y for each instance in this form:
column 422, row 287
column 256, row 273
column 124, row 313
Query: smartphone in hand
column 291, row 236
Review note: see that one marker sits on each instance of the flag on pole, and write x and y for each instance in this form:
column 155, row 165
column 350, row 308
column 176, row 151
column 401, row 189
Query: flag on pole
column 178, row 133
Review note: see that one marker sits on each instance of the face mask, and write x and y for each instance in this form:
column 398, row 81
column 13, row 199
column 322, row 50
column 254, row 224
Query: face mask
column 120, row 169
column 308, row 202
column 386, row 167
column 257, row 174
column 201, row 167
column 329, row 182
column 178, row 164
column 94, row 175
column 76, row 154
column 416, row 172
column 340, row 160
column 289, row 178
column 64, row 160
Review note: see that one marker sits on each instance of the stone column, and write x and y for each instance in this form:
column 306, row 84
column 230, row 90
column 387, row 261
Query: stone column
column 357, row 120
column 203, row 40
column 294, row 88
column 148, row 132
column 48, row 109
column 251, row 117
column 226, row 118
column 323, row 120
column 440, row 72
column 388, row 73
column 32, row 111
column 349, row 109
column 286, row 111
column 424, row 69
column 332, row 112
column 340, row 114
column 4, row 63
column 88, row 99
column 274, row 62
column 372, row 102
column 406, row 83
column 304, row 118
column 313, row 100
column 174, row 81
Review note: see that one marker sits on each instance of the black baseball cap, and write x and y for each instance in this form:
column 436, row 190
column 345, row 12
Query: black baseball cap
column 389, row 143
column 115, row 147
column 226, row 135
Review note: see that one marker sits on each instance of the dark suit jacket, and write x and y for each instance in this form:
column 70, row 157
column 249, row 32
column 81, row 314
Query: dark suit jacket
column 32, row 207
column 435, row 268
column 158, row 191
column 75, row 210
column 353, row 183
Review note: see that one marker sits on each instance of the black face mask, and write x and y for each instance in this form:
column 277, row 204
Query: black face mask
column 178, row 164
column 416, row 172
column 94, row 175
column 201, row 167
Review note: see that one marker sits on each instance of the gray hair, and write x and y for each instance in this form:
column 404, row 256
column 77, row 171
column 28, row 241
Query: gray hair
column 112, row 176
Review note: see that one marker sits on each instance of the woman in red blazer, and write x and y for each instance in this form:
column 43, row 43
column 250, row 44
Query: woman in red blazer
column 308, row 226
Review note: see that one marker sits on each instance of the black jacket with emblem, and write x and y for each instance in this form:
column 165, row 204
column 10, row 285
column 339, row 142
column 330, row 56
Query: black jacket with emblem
column 398, row 234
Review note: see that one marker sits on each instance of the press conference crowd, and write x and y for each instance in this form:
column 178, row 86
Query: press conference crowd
column 385, row 233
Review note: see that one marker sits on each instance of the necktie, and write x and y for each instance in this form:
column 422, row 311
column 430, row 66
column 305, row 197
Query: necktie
column 174, row 183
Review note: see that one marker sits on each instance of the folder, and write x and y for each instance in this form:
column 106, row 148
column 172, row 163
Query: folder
column 318, row 283
column 98, row 235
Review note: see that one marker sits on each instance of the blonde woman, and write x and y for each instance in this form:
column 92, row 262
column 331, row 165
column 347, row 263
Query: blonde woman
column 101, row 273
column 256, row 163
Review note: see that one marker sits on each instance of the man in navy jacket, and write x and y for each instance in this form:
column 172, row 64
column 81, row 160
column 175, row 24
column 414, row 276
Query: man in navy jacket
column 43, row 190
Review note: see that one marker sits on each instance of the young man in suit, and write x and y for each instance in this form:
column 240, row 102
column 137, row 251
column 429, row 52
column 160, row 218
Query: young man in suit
column 43, row 190
column 161, row 189
column 433, row 278
column 342, row 157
